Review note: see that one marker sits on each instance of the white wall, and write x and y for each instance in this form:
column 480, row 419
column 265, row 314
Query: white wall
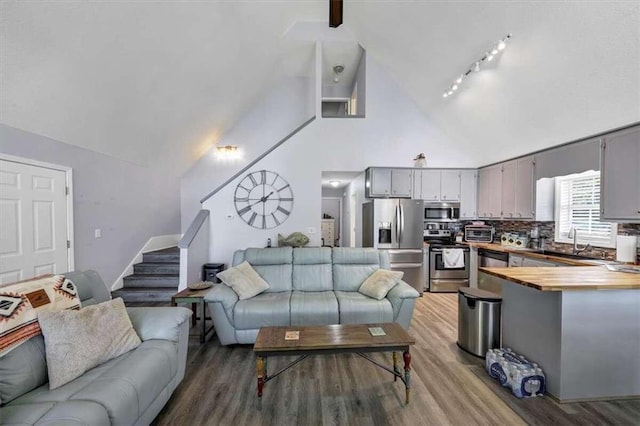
column 285, row 107
column 393, row 132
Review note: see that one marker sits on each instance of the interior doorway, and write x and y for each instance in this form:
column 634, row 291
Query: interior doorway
column 352, row 220
column 36, row 225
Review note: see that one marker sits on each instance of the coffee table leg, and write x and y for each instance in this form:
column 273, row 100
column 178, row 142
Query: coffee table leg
column 407, row 373
column 395, row 366
column 260, row 364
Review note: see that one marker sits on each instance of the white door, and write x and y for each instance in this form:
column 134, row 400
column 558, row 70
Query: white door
column 33, row 224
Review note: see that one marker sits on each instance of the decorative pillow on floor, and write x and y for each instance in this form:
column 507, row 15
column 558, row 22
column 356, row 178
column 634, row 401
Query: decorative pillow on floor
column 244, row 280
column 378, row 284
column 77, row 341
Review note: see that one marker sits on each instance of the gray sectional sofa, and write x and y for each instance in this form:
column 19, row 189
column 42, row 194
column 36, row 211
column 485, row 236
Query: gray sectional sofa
column 308, row 286
column 128, row 390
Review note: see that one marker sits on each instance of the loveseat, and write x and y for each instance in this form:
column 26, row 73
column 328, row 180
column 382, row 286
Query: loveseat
column 128, row 390
column 307, row 286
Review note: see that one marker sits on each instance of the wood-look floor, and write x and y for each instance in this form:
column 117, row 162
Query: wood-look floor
column 449, row 387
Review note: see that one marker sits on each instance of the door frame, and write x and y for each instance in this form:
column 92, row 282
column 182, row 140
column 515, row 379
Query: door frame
column 68, row 171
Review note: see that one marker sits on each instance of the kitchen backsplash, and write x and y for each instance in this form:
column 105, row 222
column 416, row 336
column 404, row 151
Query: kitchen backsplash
column 547, row 229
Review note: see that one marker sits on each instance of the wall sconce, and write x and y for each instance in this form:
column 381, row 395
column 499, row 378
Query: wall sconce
column 227, row 152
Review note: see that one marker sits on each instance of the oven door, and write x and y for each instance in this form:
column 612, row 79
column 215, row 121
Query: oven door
column 438, row 271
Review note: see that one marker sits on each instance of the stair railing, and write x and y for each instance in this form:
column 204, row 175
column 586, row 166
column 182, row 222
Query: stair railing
column 194, row 250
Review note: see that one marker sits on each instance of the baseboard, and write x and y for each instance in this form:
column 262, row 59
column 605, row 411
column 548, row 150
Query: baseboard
column 154, row 243
column 595, row 399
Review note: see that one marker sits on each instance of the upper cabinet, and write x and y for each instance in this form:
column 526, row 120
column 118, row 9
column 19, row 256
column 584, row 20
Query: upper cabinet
column 468, row 192
column 620, row 176
column 388, row 183
column 507, row 190
column 437, row 185
column 490, row 192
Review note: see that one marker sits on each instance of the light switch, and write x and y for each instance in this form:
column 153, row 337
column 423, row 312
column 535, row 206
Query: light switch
column 311, row 230
column 97, row 233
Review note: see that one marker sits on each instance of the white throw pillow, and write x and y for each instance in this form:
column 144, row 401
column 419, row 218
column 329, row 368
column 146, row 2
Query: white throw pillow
column 77, row 341
column 244, row 280
column 378, row 284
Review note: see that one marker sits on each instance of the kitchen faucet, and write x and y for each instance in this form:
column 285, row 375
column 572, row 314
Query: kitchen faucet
column 573, row 233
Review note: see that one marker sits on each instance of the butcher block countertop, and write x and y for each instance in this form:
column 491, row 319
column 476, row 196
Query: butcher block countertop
column 568, row 278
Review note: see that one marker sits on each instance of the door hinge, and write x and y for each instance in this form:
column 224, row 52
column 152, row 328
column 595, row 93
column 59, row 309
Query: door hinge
column 604, row 144
column 68, row 244
column 66, row 190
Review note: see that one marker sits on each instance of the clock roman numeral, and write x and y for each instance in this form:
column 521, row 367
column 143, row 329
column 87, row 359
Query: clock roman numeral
column 252, row 219
column 286, row 199
column 275, row 220
column 242, row 199
column 263, row 176
column 253, row 180
column 285, row 211
column 244, row 210
column 264, row 222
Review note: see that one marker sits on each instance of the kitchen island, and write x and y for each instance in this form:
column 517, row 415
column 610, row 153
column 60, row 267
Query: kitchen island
column 581, row 325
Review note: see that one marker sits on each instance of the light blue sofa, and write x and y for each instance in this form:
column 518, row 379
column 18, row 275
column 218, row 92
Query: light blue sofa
column 128, row 390
column 308, row 286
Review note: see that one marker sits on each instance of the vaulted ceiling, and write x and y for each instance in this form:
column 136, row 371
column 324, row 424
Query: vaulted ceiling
column 144, row 81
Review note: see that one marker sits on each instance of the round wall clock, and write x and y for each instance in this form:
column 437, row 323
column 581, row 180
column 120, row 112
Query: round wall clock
column 263, row 199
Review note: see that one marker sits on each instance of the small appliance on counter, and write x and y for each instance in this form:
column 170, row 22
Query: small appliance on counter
column 478, row 233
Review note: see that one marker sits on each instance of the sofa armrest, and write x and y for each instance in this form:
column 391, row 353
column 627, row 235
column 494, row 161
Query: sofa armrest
column 402, row 290
column 223, row 294
column 161, row 323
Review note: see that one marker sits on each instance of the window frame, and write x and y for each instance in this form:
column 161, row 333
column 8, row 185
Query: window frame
column 582, row 239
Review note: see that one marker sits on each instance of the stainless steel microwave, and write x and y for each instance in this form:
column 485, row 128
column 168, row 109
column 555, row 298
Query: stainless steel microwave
column 441, row 212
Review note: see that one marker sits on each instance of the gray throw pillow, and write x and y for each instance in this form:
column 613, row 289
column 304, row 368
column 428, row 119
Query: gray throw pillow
column 378, row 284
column 77, row 341
column 244, row 280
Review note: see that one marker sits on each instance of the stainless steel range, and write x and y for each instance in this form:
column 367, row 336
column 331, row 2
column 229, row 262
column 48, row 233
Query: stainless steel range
column 444, row 276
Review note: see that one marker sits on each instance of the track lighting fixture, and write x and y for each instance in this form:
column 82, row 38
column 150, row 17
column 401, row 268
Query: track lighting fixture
column 475, row 66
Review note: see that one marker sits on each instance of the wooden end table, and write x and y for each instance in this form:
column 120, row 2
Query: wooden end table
column 195, row 297
column 334, row 339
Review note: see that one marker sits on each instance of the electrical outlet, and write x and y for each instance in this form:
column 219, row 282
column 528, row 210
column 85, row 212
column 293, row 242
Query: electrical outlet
column 311, row 230
column 97, row 233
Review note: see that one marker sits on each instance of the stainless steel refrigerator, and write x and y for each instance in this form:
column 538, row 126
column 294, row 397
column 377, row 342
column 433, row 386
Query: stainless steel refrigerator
column 397, row 225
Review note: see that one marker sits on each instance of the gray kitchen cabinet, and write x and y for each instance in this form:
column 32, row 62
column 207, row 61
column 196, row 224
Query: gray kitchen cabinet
column 495, row 192
column 468, row 194
column 437, row 185
column 620, row 176
column 428, row 184
column 525, row 188
column 483, row 192
column 450, row 186
column 382, row 182
column 508, row 189
column 515, row 261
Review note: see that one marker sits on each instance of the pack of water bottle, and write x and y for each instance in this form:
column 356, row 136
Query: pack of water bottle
column 511, row 370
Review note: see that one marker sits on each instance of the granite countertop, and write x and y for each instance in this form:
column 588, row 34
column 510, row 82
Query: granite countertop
column 568, row 278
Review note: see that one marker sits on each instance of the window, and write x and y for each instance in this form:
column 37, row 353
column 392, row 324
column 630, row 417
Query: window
column 578, row 206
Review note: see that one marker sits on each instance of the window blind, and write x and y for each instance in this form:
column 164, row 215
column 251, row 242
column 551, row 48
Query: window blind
column 578, row 207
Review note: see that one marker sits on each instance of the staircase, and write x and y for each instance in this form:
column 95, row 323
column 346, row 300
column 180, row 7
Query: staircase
column 154, row 280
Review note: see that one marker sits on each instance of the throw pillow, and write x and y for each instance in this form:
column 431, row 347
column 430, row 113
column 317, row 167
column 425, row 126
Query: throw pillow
column 244, row 280
column 378, row 284
column 77, row 341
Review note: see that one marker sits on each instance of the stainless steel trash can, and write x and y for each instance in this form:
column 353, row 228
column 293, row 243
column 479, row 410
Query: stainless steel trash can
column 478, row 320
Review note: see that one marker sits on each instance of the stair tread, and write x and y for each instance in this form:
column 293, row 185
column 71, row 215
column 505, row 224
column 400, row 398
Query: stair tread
column 169, row 250
column 145, row 289
column 148, row 276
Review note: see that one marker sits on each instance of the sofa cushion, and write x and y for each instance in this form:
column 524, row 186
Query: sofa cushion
column 126, row 386
column 312, row 270
column 273, row 265
column 23, row 369
column 352, row 266
column 56, row 413
column 378, row 284
column 244, row 280
column 312, row 308
column 266, row 309
column 356, row 308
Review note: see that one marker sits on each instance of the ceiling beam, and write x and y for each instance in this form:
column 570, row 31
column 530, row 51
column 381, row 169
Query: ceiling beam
column 335, row 13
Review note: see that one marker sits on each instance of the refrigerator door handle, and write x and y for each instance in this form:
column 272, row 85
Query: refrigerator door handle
column 401, row 225
column 397, row 224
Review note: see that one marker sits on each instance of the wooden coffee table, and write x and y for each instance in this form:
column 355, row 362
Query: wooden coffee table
column 333, row 339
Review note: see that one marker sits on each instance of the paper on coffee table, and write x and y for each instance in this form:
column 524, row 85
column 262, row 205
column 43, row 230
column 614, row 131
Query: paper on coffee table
column 377, row 331
column 292, row 335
